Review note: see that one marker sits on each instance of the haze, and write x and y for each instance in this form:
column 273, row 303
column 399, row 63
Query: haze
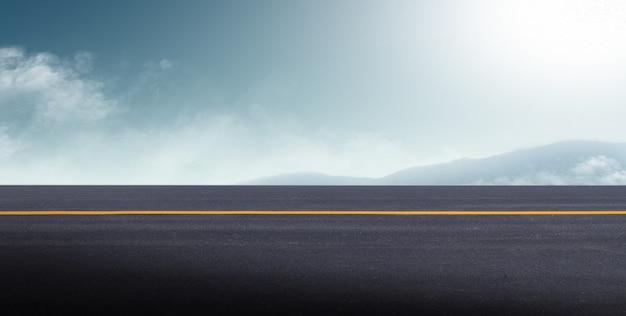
column 220, row 92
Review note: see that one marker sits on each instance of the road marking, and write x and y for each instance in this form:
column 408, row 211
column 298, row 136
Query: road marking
column 304, row 212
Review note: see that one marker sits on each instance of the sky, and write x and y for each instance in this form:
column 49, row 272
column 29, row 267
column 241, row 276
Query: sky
column 220, row 92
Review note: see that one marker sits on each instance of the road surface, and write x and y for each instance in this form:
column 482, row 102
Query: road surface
column 314, row 264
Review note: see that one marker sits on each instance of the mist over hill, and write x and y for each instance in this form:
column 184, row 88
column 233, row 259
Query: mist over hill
column 564, row 163
column 310, row 178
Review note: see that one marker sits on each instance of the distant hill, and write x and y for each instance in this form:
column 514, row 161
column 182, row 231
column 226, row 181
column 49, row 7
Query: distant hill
column 309, row 178
column 563, row 163
column 570, row 162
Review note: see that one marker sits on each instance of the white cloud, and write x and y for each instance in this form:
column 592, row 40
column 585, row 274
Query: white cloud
column 43, row 88
column 224, row 148
column 165, row 64
column 205, row 147
column 599, row 170
column 49, row 107
column 8, row 146
column 595, row 170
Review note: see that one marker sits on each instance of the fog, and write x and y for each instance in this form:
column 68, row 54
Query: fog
column 217, row 93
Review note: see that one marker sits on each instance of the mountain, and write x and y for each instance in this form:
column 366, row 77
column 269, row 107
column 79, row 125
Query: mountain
column 309, row 178
column 564, row 163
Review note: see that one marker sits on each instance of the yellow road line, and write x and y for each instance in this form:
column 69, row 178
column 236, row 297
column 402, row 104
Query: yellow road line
column 305, row 212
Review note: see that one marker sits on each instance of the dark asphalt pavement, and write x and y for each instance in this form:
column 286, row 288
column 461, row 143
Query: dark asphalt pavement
column 314, row 264
column 312, row 197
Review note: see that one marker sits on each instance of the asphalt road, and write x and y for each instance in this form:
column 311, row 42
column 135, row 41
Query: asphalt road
column 314, row 264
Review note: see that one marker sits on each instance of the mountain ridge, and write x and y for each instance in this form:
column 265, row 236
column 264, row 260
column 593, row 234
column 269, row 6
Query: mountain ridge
column 572, row 162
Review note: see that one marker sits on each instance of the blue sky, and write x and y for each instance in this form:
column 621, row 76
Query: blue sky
column 217, row 92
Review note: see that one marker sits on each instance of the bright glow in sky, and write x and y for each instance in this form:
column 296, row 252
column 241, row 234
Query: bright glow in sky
column 563, row 41
column 217, row 92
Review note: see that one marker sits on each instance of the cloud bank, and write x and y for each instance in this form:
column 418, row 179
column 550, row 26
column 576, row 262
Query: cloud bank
column 42, row 89
column 60, row 126
column 596, row 170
